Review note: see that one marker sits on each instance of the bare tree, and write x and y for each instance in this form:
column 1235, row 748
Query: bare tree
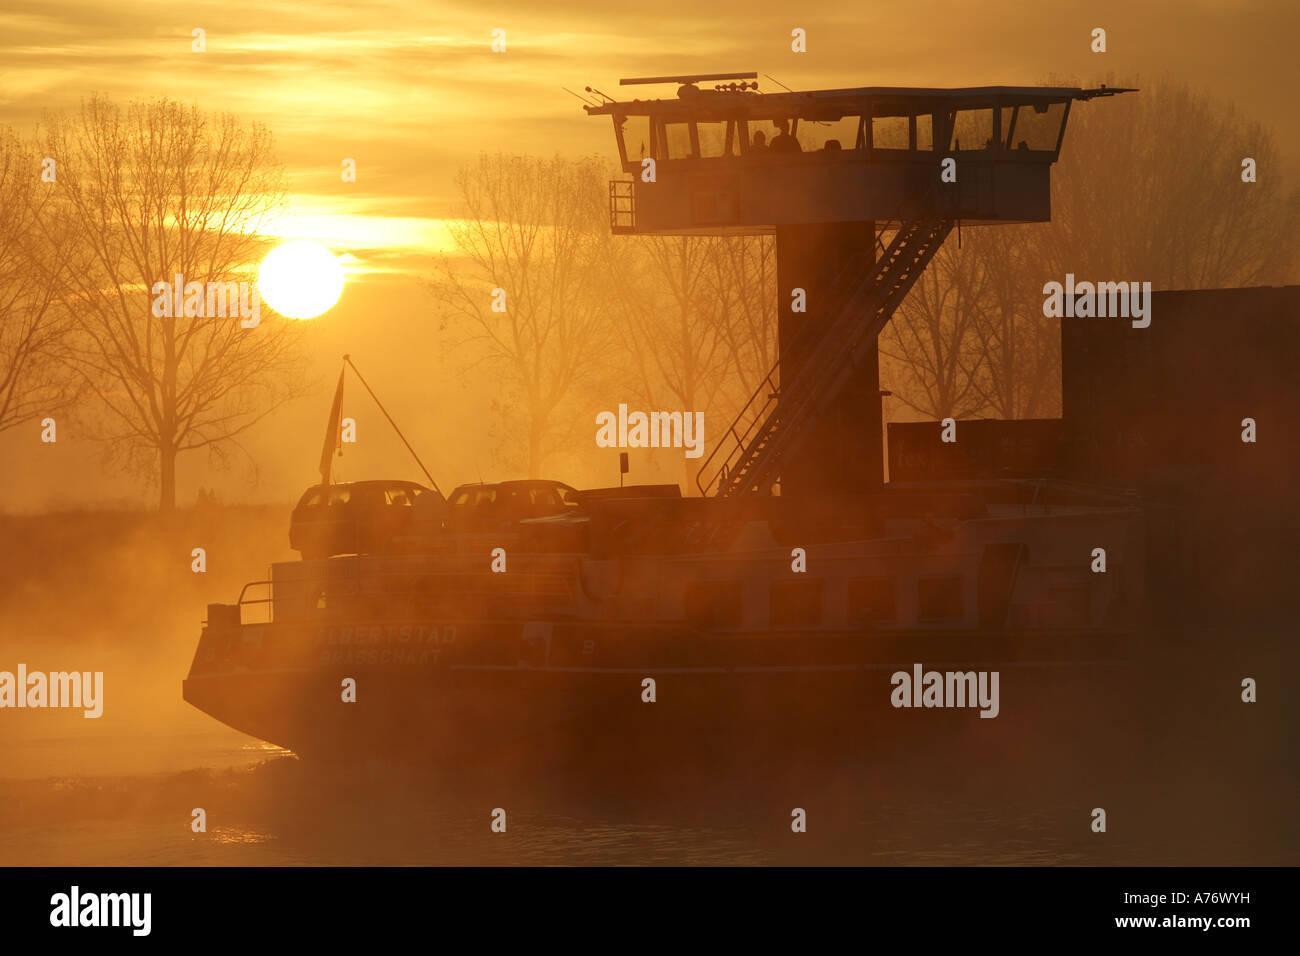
column 675, row 322
column 743, row 282
column 159, row 190
column 534, row 229
column 1019, row 349
column 931, row 339
column 35, row 381
column 1149, row 188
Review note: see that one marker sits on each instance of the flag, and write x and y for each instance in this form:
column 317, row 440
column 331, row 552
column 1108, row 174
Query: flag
column 333, row 440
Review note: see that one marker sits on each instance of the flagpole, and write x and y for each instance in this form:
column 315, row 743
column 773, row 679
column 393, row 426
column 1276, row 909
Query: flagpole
column 348, row 359
column 332, row 432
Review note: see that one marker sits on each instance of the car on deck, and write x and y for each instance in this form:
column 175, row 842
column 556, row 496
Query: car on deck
column 365, row 517
column 479, row 508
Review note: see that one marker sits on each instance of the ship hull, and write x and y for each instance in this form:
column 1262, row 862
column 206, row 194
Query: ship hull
column 511, row 694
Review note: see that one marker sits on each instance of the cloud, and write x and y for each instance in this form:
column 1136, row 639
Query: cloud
column 411, row 90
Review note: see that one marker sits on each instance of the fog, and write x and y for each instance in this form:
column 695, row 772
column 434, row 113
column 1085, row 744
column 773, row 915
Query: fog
column 94, row 578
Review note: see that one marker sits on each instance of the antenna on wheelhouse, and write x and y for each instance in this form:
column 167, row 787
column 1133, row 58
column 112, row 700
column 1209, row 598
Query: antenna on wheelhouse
column 826, row 172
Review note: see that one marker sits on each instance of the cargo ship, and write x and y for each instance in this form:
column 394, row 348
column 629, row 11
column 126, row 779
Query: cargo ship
column 651, row 623
column 784, row 608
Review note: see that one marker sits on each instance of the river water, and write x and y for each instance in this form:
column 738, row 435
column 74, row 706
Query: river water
column 1197, row 778
column 83, row 792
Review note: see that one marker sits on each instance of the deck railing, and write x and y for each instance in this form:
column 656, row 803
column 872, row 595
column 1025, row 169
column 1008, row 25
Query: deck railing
column 377, row 585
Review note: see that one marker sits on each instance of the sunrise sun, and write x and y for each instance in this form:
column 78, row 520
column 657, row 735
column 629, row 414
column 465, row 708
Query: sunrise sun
column 300, row 279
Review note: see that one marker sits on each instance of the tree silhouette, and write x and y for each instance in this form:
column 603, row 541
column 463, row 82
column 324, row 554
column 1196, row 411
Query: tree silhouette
column 675, row 323
column 34, row 379
column 1148, row 188
column 158, row 190
column 742, row 282
column 536, row 229
column 931, row 358
column 1019, row 351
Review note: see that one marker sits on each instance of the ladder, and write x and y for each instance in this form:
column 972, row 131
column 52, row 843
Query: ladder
column 777, row 414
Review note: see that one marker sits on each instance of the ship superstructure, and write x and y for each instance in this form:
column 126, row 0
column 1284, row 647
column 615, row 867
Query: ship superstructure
column 786, row 594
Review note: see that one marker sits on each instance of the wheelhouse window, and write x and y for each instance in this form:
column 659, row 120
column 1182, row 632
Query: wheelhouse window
column 1036, row 127
column 727, row 130
column 676, row 141
column 972, row 129
column 924, row 131
column 832, row 135
column 718, row 139
column 634, row 140
column 795, row 603
column 889, row 132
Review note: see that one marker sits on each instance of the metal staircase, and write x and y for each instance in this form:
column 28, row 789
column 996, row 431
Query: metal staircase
column 777, row 413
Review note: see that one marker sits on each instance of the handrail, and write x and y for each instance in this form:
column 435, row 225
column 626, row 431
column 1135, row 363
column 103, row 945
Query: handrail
column 561, row 583
column 244, row 590
column 810, row 332
column 836, row 358
column 835, row 355
column 770, row 385
column 622, row 190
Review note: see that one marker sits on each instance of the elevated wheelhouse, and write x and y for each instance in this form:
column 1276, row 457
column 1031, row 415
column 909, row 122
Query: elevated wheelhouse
column 864, row 154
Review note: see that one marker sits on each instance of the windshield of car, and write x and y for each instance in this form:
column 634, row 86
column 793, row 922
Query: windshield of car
column 402, row 497
column 546, row 500
column 473, row 497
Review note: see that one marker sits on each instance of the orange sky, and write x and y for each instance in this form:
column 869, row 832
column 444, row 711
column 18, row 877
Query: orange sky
column 411, row 90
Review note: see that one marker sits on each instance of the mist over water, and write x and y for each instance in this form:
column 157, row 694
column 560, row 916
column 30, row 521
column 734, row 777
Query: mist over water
column 281, row 811
column 497, row 180
column 115, row 593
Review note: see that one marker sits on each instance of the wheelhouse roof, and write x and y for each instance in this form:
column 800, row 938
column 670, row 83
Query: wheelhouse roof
column 873, row 100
